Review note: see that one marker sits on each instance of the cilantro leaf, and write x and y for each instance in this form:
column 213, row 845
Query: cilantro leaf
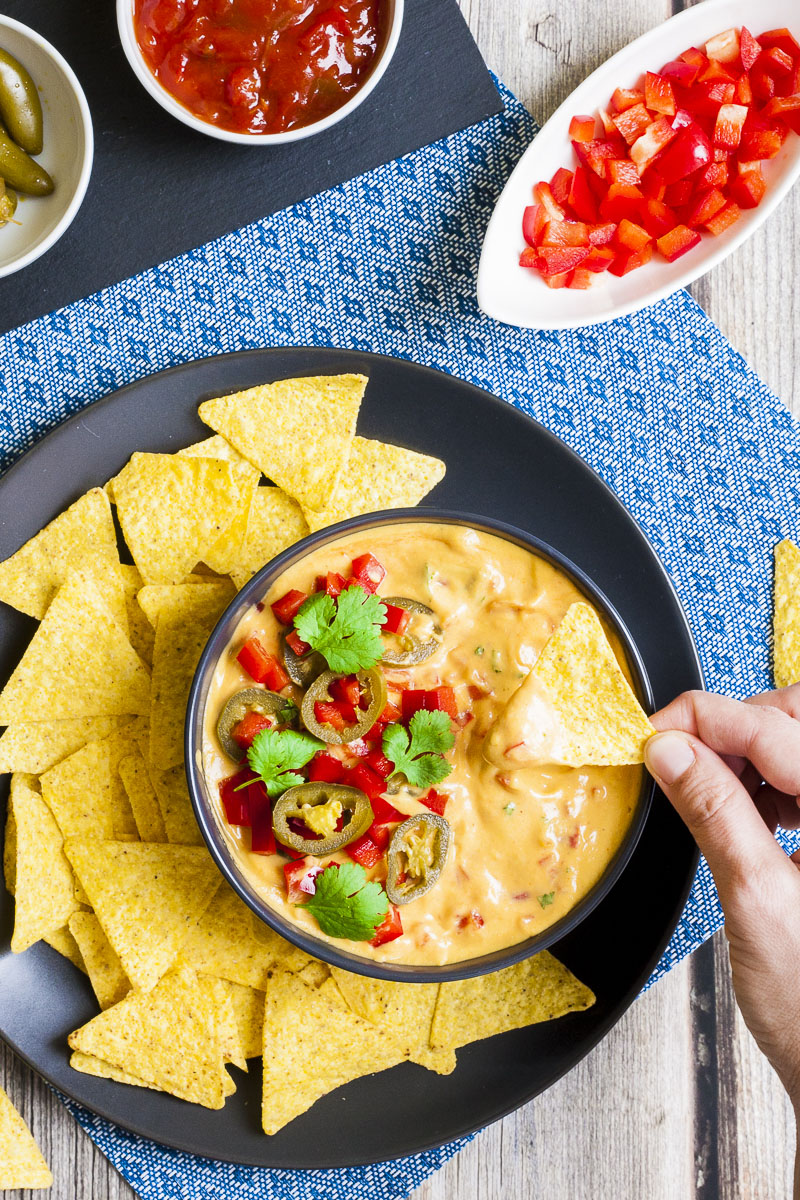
column 347, row 632
column 345, row 905
column 420, row 757
column 546, row 899
column 276, row 754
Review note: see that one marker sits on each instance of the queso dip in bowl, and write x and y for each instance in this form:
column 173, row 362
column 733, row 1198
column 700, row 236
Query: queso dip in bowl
column 368, row 770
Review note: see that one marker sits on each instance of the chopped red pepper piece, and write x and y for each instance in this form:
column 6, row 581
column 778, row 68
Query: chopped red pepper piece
column 262, row 666
column 364, row 851
column 632, row 122
column 724, row 218
column 287, row 608
column 390, row 928
column 581, row 129
column 296, row 643
column 565, row 233
column 581, row 198
column 441, row 698
column 329, row 713
column 262, row 833
column 333, row 583
column 627, row 261
column 300, row 876
column 749, row 48
column 658, row 94
column 345, row 690
column 246, row 729
column 560, row 185
column 724, row 47
column 704, row 207
column 379, row 763
column 365, row 779
column 748, row 189
column 729, row 125
column 532, row 223
column 625, row 98
column 632, row 236
column 324, row 768
column 237, row 811
column 396, row 620
column 368, row 572
column 435, row 801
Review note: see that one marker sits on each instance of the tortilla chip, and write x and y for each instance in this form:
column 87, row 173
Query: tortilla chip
column 89, row 1065
column 176, row 807
column 378, row 476
column 44, row 890
column 786, row 614
column 297, row 431
column 225, row 944
column 85, row 531
column 227, row 1021
column 323, row 1052
column 314, row 973
column 213, row 447
column 184, row 626
column 142, row 797
column 103, row 967
column 276, row 522
column 21, row 1161
column 140, row 630
column 168, row 1037
column 538, row 989
column 79, row 663
column 148, row 899
column 174, row 510
column 85, row 793
column 248, row 1007
column 404, row 1011
column 223, row 555
column 37, row 746
column 174, row 602
column 64, row 944
column 602, row 722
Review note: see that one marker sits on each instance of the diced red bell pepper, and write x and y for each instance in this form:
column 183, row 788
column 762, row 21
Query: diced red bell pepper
column 677, row 242
column 397, row 619
column 245, row 730
column 658, row 94
column 785, row 108
column 724, row 218
column 621, row 202
column 703, row 207
column 391, row 713
column 345, row 690
column 729, row 125
column 386, row 816
column 365, row 779
column 324, row 768
column 262, row 666
column 234, row 801
column 762, row 83
column 598, row 259
column 717, row 72
column 565, row 233
column 744, row 90
column 359, row 748
column 330, row 713
column 748, row 190
column 622, row 171
column 554, row 260
column 530, row 258
column 681, row 73
column 442, row 699
column 300, row 876
column 435, row 801
column 368, row 572
column 714, row 175
column 262, row 833
column 790, row 84
column 581, row 129
column 364, row 851
column 333, row 584
column 776, row 62
column 597, row 154
column 296, row 643
column 632, row 122
column 652, row 185
column 542, row 194
column 782, row 39
column 625, row 98
column 658, row 218
column 760, row 143
column 581, row 198
column 680, row 193
column 749, row 48
column 390, row 928
column 632, row 236
column 690, row 151
column 627, row 261
column 560, row 184
column 655, row 138
column 606, row 120
column 601, row 235
column 724, row 47
column 379, row 763
column 533, row 221
column 287, row 608
column 695, row 57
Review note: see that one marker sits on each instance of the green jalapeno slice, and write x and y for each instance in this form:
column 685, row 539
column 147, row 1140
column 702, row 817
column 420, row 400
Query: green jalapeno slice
column 320, row 806
column 259, row 700
column 373, row 682
column 413, row 650
column 416, row 856
column 302, row 670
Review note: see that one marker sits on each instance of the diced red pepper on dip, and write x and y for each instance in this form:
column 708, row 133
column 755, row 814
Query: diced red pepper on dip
column 674, row 159
column 262, row 666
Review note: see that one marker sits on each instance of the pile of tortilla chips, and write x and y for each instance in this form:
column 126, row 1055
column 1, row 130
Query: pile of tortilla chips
column 102, row 851
column 21, row 1162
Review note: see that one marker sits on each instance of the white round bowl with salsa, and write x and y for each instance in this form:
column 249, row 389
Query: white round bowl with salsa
column 527, row 852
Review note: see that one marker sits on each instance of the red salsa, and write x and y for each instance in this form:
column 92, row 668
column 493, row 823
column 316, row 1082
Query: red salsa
column 259, row 66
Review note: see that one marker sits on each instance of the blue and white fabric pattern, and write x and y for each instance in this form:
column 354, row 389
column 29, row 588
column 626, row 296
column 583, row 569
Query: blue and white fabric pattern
column 701, row 453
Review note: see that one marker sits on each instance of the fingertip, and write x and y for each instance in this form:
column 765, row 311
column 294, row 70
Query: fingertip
column 668, row 756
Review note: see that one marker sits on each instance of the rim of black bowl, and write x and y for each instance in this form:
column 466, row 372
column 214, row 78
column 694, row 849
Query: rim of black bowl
column 205, row 812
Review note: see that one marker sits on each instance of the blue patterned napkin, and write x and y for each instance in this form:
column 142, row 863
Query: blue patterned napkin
column 696, row 447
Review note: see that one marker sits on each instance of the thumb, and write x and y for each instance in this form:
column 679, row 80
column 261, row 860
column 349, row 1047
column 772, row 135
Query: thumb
column 716, row 807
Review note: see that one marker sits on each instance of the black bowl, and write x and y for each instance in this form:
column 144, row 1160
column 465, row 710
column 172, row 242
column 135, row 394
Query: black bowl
column 206, row 810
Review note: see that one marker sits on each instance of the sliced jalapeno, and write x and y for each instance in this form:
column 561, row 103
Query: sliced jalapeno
column 21, row 171
column 372, row 681
column 414, row 650
column 302, row 670
column 320, row 806
column 259, row 700
column 416, row 856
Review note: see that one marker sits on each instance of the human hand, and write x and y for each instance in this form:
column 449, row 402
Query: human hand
column 732, row 772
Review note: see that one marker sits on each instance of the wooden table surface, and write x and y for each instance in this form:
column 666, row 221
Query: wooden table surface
column 677, row 1103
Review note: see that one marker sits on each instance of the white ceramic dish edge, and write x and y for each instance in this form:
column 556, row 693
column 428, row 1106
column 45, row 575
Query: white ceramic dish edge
column 168, row 102
column 68, row 149
column 515, row 296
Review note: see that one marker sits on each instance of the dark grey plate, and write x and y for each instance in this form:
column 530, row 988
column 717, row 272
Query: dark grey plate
column 499, row 463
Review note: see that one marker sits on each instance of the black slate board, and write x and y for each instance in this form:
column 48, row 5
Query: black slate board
column 159, row 189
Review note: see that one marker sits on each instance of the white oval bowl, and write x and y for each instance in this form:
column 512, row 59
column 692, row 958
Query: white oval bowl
column 67, row 153
column 516, row 296
column 133, row 53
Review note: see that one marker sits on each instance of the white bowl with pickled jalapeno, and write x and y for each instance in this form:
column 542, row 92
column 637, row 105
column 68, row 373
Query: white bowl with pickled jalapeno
column 368, row 769
column 46, row 145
